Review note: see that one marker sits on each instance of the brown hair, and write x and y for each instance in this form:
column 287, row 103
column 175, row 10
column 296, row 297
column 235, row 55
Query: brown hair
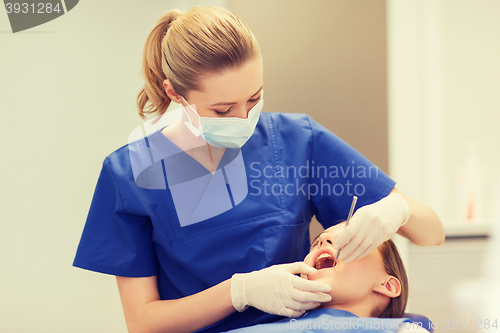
column 393, row 265
column 184, row 46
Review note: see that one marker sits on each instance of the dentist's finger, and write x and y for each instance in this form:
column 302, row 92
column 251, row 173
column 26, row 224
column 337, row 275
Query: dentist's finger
column 363, row 248
column 346, row 236
column 307, row 285
column 300, row 267
column 309, row 297
column 299, row 306
column 336, row 234
column 290, row 313
column 366, row 252
column 350, row 247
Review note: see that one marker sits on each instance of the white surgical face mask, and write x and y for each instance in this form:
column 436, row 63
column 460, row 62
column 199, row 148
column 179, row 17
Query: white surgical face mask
column 230, row 132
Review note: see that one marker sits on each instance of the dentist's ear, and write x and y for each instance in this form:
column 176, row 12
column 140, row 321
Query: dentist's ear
column 171, row 93
column 390, row 287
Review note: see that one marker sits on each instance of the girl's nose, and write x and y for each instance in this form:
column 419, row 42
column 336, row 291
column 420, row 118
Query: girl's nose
column 326, row 239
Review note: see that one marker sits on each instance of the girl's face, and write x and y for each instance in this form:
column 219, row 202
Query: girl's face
column 361, row 284
column 231, row 93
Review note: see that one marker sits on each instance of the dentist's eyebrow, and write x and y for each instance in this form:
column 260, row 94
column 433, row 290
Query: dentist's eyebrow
column 231, row 103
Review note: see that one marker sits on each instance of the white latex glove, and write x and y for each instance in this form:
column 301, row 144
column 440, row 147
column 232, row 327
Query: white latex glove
column 370, row 226
column 276, row 290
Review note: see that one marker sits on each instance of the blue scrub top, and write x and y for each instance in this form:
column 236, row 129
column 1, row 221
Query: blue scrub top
column 329, row 320
column 295, row 169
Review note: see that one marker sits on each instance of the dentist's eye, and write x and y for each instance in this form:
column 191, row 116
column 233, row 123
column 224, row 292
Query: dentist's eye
column 254, row 100
column 223, row 113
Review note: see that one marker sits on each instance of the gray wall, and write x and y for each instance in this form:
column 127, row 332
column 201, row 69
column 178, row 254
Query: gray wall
column 326, row 59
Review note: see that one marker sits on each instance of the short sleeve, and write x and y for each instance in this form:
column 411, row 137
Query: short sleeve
column 113, row 240
column 339, row 173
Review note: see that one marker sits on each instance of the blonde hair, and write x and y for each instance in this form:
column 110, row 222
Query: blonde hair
column 183, row 47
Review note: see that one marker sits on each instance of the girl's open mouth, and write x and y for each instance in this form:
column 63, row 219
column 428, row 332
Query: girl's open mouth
column 325, row 260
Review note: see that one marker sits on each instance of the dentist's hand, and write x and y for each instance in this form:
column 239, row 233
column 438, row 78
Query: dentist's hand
column 277, row 290
column 370, row 226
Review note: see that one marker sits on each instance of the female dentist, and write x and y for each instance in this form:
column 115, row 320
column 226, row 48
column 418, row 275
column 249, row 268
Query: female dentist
column 189, row 254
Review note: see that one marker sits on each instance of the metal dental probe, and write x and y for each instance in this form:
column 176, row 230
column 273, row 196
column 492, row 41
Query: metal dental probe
column 351, row 211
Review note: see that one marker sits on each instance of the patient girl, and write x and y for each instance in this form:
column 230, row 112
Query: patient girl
column 374, row 286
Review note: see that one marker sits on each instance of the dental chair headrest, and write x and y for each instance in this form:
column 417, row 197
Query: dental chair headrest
column 420, row 320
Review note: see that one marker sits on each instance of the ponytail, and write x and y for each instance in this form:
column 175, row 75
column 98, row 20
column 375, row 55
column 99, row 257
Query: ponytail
column 153, row 95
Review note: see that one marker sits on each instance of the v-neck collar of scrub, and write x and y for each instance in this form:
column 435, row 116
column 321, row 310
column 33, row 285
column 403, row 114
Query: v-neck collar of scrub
column 166, row 148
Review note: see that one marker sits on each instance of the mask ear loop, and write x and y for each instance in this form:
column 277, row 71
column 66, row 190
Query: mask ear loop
column 211, row 159
column 196, row 131
column 199, row 130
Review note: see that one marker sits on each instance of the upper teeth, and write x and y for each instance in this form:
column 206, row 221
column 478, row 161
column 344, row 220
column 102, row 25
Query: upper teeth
column 325, row 255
